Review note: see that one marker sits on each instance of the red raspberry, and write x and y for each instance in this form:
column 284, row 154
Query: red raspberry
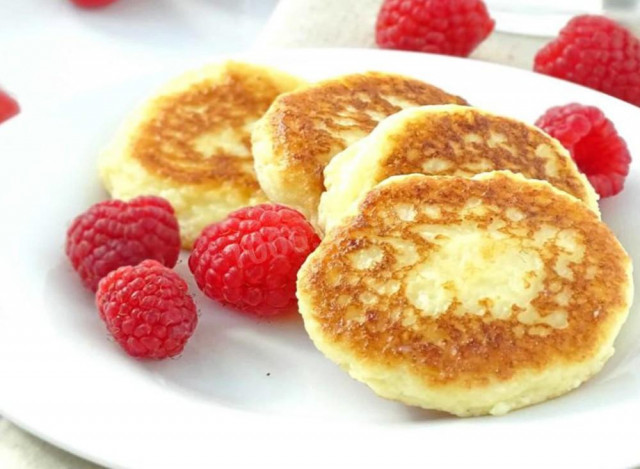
column 250, row 260
column 452, row 27
column 8, row 107
column 92, row 3
column 600, row 153
column 597, row 52
column 147, row 309
column 115, row 233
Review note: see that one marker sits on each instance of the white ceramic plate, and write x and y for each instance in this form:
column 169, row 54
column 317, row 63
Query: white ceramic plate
column 258, row 393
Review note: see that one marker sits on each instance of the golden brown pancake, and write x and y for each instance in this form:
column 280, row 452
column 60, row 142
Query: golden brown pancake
column 191, row 143
column 304, row 129
column 471, row 296
column 446, row 140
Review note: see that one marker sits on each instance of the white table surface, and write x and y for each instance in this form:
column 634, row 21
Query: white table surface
column 50, row 51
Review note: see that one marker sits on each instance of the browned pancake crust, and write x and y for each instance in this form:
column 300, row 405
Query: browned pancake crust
column 163, row 144
column 467, row 349
column 307, row 123
column 443, row 136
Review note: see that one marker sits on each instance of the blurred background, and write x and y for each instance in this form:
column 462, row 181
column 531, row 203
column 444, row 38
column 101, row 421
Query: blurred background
column 55, row 50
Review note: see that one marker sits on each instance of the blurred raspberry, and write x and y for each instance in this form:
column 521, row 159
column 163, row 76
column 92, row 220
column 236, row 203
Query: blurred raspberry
column 8, row 107
column 452, row 27
column 92, row 3
column 599, row 152
column 250, row 260
column 597, row 52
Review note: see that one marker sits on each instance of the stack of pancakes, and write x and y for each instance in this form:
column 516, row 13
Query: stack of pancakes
column 464, row 266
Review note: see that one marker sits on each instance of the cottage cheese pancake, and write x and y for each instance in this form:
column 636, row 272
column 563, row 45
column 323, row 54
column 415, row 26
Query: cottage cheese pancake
column 446, row 140
column 191, row 143
column 472, row 296
column 304, row 129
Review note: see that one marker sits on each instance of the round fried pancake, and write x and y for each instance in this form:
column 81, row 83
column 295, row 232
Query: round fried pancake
column 446, row 140
column 471, row 296
column 304, row 129
column 191, row 143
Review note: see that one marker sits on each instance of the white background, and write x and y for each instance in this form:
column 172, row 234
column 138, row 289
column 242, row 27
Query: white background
column 50, row 49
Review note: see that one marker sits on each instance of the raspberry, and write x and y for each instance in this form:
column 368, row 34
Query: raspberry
column 8, row 107
column 600, row 153
column 597, row 52
column 250, row 260
column 147, row 309
column 452, row 27
column 92, row 3
column 115, row 233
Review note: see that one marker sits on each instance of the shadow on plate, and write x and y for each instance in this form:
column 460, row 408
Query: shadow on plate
column 272, row 367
